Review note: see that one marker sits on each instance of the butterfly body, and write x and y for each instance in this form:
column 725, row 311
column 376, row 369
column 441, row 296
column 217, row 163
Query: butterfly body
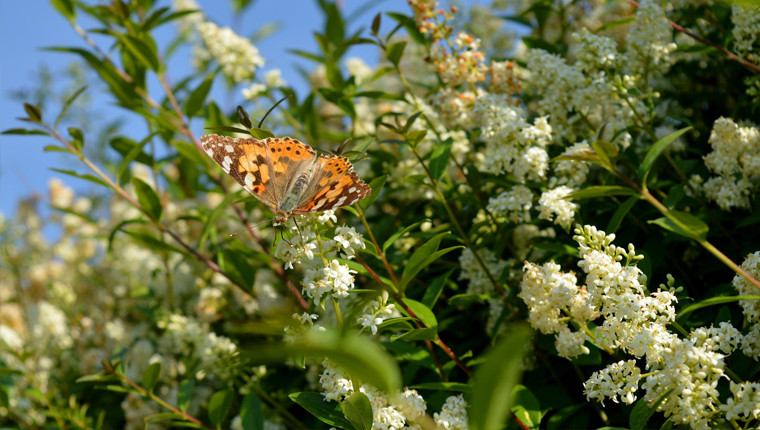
column 287, row 175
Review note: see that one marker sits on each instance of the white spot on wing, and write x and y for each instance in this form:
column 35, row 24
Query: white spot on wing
column 226, row 163
column 248, row 181
column 319, row 204
column 352, row 190
column 229, row 148
column 340, row 201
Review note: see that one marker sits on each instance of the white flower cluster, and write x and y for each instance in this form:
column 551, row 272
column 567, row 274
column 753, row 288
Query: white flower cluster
column 514, row 204
column 237, row 55
column 650, row 40
column 683, row 372
column 334, row 279
column 395, row 411
column 377, row 311
column 513, row 146
column 751, row 308
column 735, row 158
column 746, row 20
column 473, row 272
column 554, row 205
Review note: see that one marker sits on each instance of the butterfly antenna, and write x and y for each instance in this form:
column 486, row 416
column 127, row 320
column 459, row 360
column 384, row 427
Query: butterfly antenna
column 300, row 234
column 272, row 108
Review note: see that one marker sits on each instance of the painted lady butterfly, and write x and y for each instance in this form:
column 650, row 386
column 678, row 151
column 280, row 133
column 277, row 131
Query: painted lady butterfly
column 287, row 175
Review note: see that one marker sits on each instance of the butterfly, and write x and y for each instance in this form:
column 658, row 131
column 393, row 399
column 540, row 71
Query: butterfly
column 287, row 175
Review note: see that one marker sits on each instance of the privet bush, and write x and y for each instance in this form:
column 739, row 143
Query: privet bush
column 562, row 230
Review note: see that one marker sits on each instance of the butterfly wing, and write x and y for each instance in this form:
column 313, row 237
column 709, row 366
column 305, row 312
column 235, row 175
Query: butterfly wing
column 248, row 161
column 333, row 184
column 288, row 158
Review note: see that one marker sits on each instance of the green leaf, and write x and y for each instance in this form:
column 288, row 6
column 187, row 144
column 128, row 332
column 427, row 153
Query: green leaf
column 606, row 152
column 601, row 191
column 66, row 105
column 683, row 224
column 97, row 377
column 65, row 8
column 185, row 393
column 443, row 386
column 525, row 406
column 142, row 49
column 422, row 312
column 376, row 23
column 151, row 375
column 642, row 411
column 439, row 158
column 377, row 186
column 77, row 138
column 33, row 112
column 415, row 136
column 261, row 133
column 134, row 153
column 85, row 176
column 433, row 291
column 243, row 117
column 4, row 400
column 358, row 410
column 655, row 152
column 398, row 234
column 26, row 132
column 427, row 333
column 496, row 378
column 614, row 24
column 196, row 98
column 210, row 223
column 227, row 129
column 151, row 242
column 620, row 213
column 359, row 356
column 422, row 257
column 147, row 198
column 251, row 414
column 395, row 51
column 329, row 413
column 712, row 301
column 219, row 406
column 237, row 265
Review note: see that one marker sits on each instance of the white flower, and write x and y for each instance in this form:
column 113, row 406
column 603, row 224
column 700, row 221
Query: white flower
column 237, row 55
column 745, row 403
column 377, row 311
column 348, row 240
column 751, row 308
column 453, row 414
column 336, row 279
column 335, row 385
column 617, row 379
column 553, row 205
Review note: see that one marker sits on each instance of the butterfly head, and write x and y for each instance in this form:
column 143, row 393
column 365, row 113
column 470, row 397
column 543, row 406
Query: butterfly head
column 280, row 218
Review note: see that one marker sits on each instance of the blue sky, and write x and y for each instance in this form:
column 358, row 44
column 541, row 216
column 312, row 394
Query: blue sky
column 27, row 26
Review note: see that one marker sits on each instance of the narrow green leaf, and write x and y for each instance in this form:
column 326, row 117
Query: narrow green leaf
column 34, row 112
column 329, row 412
column 135, row 152
column 151, row 375
column 443, row 386
column 358, row 410
column 24, row 131
column 439, row 158
column 97, row 377
column 433, row 291
column 642, row 411
column 713, row 301
column 65, row 8
column 359, row 356
column 238, row 266
column 422, row 312
column 4, row 400
column 67, row 104
column 525, row 406
column 655, row 152
column 185, row 393
column 142, row 49
column 601, row 191
column 415, row 136
column 620, row 213
column 85, row 176
column 77, row 138
column 210, row 223
column 261, row 133
column 398, row 234
column 251, row 413
column 614, row 24
column 427, row 333
column 496, row 378
column 684, row 224
column 151, row 242
column 227, row 129
column 54, row 148
column 195, row 100
column 376, row 23
column 425, row 255
column 377, row 186
column 147, row 198
column 395, row 51
column 219, row 406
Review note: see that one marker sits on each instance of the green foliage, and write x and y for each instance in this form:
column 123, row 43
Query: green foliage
column 489, row 167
